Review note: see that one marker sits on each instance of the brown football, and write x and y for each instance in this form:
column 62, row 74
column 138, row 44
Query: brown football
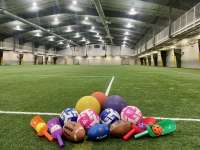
column 73, row 131
column 120, row 128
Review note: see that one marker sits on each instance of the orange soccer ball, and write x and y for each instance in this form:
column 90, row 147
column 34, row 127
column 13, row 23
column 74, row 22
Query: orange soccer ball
column 157, row 130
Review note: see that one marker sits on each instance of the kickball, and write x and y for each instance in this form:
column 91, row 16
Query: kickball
column 88, row 102
column 88, row 118
column 115, row 102
column 100, row 96
column 131, row 114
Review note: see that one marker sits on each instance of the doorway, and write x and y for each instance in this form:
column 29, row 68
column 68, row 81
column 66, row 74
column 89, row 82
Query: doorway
column 46, row 60
column 40, row 60
column 155, row 59
column 142, row 61
column 35, row 59
column 149, row 60
column 55, row 60
column 164, row 58
column 177, row 53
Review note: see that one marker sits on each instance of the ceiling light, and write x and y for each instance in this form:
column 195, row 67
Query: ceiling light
column 68, row 46
column 93, row 27
column 74, row 2
column 88, row 42
column 126, row 33
column 124, row 42
column 34, row 7
column 132, row 11
column 61, row 43
column 38, row 34
column 129, row 25
column 69, row 29
column 51, row 39
column 56, row 21
column 77, row 35
column 125, row 38
column 97, row 34
column 86, row 18
column 18, row 28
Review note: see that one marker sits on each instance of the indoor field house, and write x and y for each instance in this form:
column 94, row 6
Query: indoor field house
column 100, row 74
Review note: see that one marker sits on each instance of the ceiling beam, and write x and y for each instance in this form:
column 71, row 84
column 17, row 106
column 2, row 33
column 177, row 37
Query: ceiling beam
column 15, row 17
column 102, row 16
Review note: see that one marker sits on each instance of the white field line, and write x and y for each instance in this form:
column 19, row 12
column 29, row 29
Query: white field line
column 57, row 114
column 109, row 86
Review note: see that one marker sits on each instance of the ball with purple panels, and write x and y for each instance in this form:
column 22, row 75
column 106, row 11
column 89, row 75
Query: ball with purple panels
column 115, row 102
column 69, row 114
column 56, row 130
column 88, row 118
column 131, row 114
column 109, row 116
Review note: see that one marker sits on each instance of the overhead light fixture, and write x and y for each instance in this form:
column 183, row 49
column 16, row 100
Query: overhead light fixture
column 18, row 28
column 68, row 46
column 35, row 6
column 86, row 18
column 93, row 27
column 125, row 38
column 83, row 39
column 97, row 34
column 124, row 42
column 61, row 43
column 74, row 2
column 51, row 39
column 126, row 33
column 77, row 35
column 88, row 42
column 56, row 21
column 129, row 25
column 69, row 29
column 38, row 34
column 132, row 12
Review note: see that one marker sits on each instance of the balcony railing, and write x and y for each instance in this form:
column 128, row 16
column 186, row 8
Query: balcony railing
column 185, row 22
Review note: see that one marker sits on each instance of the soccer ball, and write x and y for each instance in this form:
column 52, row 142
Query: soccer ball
column 131, row 114
column 69, row 114
column 88, row 118
column 109, row 116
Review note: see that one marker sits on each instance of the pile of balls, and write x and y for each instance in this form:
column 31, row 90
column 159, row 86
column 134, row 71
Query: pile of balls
column 96, row 116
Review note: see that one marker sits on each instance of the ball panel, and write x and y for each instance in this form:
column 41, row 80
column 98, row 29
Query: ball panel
column 100, row 96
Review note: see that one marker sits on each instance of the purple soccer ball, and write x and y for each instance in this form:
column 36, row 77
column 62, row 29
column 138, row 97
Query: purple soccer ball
column 115, row 102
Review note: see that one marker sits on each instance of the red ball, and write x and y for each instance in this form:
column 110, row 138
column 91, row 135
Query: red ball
column 100, row 96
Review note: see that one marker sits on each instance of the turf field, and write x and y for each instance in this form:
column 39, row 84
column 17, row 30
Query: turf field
column 161, row 92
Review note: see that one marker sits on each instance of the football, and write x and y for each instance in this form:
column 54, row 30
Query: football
column 73, row 131
column 120, row 128
column 98, row 132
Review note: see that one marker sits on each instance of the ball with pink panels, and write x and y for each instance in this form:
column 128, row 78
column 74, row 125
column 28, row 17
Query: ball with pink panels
column 88, row 118
column 131, row 114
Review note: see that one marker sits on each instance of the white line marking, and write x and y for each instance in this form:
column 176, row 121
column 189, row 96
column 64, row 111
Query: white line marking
column 29, row 113
column 57, row 114
column 109, row 86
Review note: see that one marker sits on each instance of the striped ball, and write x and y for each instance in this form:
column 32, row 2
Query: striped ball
column 131, row 114
column 109, row 116
column 88, row 118
column 69, row 114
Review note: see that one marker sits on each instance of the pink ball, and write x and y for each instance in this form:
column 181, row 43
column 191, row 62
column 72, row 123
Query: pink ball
column 131, row 114
column 88, row 118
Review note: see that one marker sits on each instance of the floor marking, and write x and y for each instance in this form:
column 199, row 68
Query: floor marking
column 109, row 86
column 57, row 114
column 29, row 113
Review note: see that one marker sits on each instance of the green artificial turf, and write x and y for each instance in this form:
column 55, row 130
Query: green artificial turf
column 161, row 92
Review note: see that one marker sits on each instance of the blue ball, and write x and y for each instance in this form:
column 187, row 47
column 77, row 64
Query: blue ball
column 109, row 116
column 98, row 132
column 69, row 114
